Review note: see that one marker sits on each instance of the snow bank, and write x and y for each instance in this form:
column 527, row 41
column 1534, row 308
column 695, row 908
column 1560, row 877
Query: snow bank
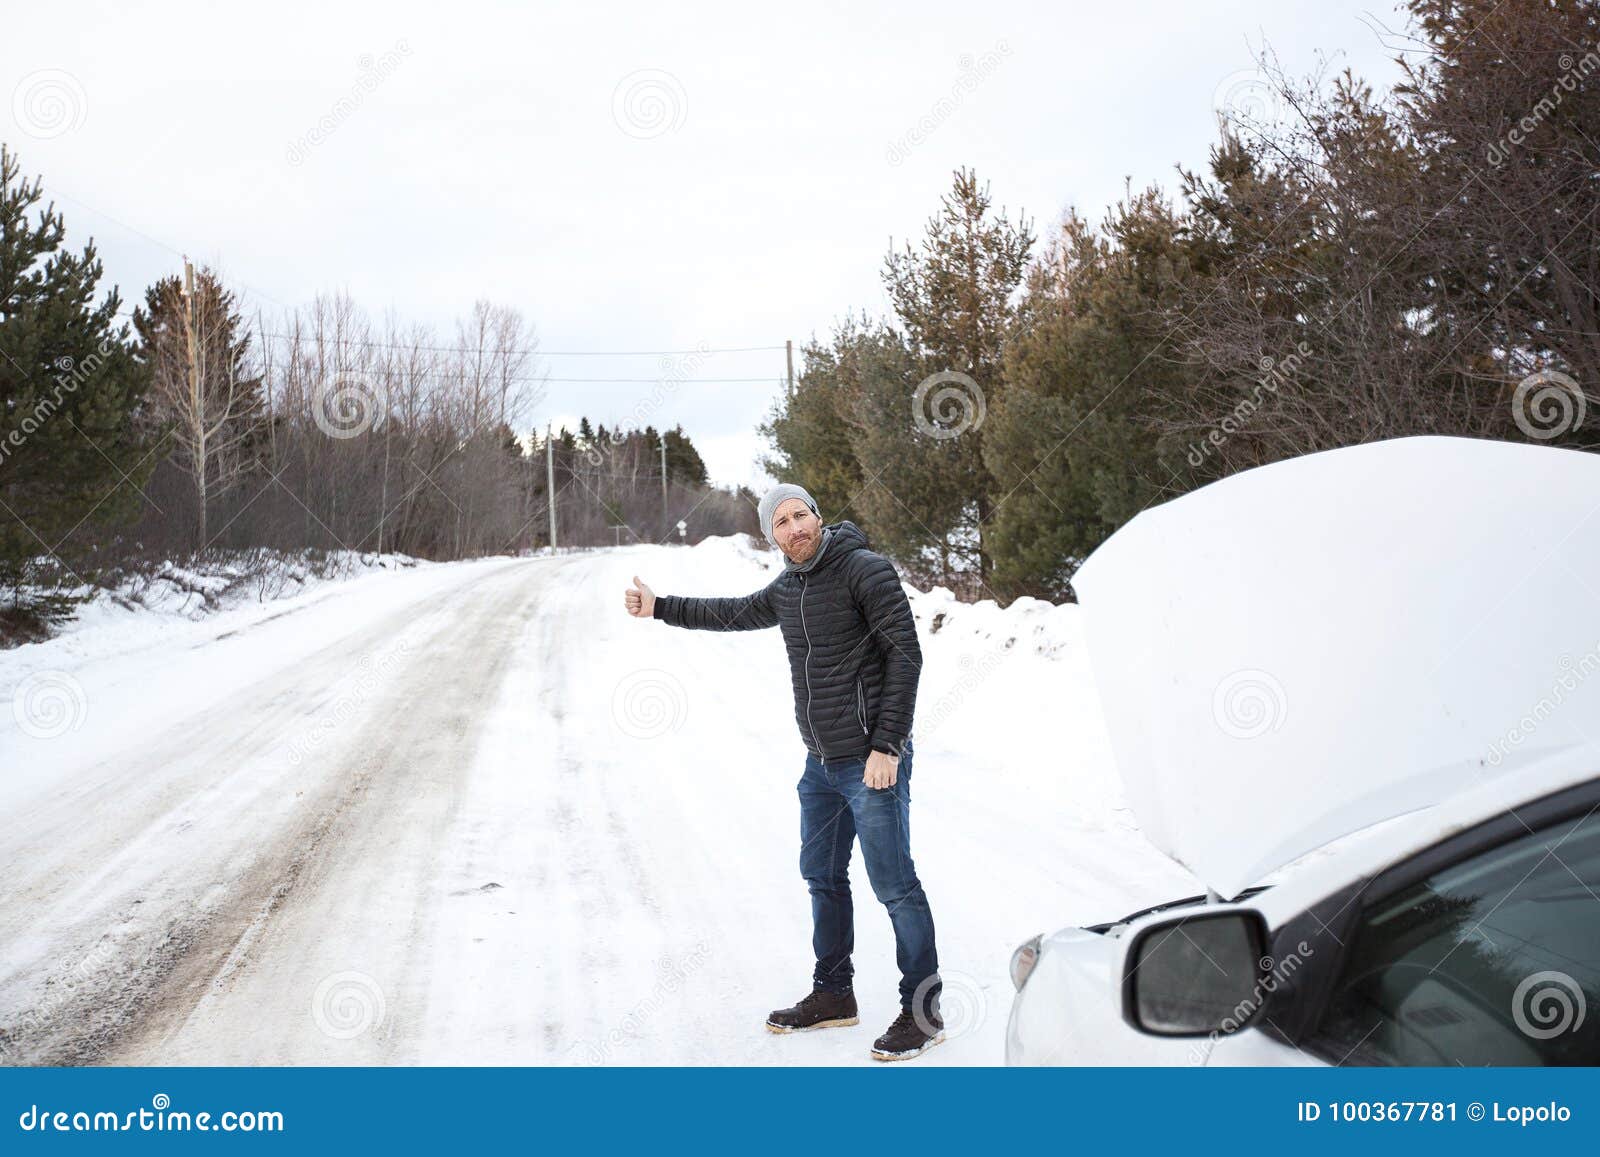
column 1036, row 626
column 139, row 609
column 228, row 581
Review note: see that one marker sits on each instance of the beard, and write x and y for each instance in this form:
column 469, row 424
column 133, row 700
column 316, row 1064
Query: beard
column 800, row 551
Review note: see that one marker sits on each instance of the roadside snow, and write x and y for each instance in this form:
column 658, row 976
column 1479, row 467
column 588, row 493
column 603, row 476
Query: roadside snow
column 145, row 607
column 116, row 674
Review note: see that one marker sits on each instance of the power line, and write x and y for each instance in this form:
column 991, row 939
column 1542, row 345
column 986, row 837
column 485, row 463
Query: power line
column 491, row 380
column 438, row 349
column 774, row 379
column 546, row 353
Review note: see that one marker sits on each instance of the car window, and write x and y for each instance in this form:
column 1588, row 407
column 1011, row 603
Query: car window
column 1494, row 960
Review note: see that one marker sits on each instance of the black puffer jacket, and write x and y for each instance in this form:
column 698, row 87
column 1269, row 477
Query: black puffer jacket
column 852, row 642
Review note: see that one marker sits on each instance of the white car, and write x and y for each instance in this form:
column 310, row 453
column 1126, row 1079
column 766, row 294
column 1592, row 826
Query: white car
column 1358, row 695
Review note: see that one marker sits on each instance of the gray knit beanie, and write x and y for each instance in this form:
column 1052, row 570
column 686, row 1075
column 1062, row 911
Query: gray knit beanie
column 780, row 493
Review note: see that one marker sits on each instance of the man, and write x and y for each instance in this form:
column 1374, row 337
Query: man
column 855, row 663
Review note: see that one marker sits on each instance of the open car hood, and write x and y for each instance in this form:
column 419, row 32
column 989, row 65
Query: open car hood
column 1301, row 650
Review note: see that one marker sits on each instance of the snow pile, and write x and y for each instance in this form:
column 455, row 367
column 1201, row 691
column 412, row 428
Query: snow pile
column 230, row 580
column 137, row 608
column 1042, row 628
column 1036, row 626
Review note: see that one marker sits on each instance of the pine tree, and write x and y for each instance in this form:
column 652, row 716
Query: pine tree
column 71, row 458
column 953, row 298
column 1068, row 443
column 810, row 430
column 684, row 464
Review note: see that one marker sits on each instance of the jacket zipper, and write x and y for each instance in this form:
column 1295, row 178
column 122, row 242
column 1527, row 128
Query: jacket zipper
column 807, row 634
column 861, row 705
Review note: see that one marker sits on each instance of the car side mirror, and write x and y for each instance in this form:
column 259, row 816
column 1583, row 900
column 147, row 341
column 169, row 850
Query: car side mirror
column 1196, row 974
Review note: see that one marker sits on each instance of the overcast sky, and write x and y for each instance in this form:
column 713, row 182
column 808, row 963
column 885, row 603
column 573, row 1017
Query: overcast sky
column 630, row 177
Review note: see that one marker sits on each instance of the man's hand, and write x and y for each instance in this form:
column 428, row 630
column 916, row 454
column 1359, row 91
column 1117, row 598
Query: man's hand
column 881, row 769
column 640, row 600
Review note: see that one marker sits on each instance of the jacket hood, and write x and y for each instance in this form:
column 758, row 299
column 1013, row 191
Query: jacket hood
column 838, row 540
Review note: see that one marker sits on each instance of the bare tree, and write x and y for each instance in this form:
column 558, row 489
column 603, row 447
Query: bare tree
column 203, row 382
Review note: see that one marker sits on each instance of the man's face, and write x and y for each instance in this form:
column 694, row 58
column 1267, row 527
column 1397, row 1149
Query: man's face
column 796, row 530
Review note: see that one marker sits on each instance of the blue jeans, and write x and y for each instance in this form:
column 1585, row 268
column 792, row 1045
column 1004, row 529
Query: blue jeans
column 835, row 808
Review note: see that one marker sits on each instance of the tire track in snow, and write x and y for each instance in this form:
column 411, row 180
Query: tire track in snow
column 100, row 882
column 326, row 969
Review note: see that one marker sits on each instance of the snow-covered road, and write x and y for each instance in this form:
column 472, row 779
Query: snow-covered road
column 473, row 813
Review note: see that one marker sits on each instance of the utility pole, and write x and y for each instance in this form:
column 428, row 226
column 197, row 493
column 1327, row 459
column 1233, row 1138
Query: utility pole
column 788, row 356
column 664, row 512
column 196, row 407
column 550, row 482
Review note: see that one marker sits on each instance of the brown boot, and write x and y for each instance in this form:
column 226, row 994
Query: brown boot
column 819, row 1010
column 909, row 1036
